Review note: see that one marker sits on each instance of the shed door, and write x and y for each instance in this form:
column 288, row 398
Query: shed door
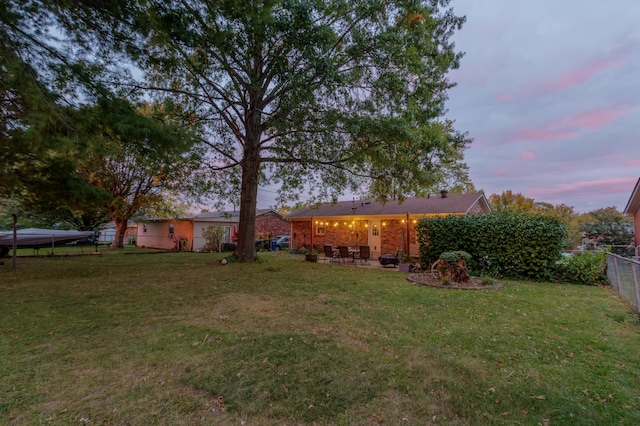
column 374, row 238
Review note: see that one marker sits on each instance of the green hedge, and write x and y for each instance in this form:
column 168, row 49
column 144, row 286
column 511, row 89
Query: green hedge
column 505, row 245
column 583, row 268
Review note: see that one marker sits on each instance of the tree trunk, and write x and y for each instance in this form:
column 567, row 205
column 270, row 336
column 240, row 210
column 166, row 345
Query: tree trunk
column 251, row 162
column 246, row 248
column 121, row 228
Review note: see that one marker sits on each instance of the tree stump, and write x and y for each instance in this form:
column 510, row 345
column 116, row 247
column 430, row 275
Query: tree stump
column 453, row 267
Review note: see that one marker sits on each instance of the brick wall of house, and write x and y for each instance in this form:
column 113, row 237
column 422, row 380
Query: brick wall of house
column 271, row 224
column 636, row 229
column 392, row 235
column 336, row 233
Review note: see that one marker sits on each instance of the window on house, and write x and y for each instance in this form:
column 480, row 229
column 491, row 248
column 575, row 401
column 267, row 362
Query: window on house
column 375, row 231
column 171, row 229
column 320, row 228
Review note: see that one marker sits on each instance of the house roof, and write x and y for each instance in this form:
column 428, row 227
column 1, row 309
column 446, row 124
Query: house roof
column 634, row 201
column 229, row 216
column 435, row 204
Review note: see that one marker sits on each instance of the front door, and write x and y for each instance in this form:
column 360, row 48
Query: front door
column 374, row 238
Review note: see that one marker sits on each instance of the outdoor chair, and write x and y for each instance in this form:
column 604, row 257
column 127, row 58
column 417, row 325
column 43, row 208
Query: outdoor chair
column 364, row 255
column 344, row 254
column 330, row 255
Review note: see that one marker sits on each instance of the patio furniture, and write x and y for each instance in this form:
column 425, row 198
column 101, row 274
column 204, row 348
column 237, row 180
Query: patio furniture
column 345, row 254
column 364, row 255
column 330, row 254
column 388, row 259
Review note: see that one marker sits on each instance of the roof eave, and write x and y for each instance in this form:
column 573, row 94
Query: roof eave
column 634, row 201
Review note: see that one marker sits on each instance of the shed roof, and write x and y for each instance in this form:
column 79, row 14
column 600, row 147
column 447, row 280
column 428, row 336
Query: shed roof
column 435, row 204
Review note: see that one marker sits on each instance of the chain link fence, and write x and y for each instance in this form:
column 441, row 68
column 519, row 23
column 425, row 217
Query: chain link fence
column 624, row 251
column 624, row 273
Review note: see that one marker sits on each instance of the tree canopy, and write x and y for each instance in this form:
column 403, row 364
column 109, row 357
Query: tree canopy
column 608, row 226
column 319, row 95
column 315, row 94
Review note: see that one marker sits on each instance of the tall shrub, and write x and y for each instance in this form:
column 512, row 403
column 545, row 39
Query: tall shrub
column 587, row 268
column 503, row 244
column 214, row 236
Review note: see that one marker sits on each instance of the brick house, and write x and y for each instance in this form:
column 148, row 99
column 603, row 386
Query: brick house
column 385, row 228
column 270, row 223
column 633, row 209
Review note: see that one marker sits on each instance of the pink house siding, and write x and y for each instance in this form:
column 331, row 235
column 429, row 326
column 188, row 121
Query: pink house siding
column 156, row 234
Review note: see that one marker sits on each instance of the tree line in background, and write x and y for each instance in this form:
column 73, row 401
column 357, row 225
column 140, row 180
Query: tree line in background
column 601, row 227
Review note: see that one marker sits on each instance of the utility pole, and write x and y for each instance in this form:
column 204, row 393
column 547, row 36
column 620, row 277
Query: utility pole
column 15, row 239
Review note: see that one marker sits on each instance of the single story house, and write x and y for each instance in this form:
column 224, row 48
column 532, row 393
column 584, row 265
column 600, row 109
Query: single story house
column 167, row 234
column 633, row 209
column 187, row 233
column 385, row 228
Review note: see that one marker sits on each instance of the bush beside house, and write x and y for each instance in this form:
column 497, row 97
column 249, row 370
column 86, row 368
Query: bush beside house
column 500, row 245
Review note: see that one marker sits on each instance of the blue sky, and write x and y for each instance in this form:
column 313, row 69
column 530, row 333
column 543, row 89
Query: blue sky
column 550, row 93
column 549, row 90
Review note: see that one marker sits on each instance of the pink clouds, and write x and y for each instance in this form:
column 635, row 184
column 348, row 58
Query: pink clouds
column 626, row 162
column 616, row 59
column 572, row 127
column 547, row 134
column 602, row 186
column 529, row 156
column 584, row 191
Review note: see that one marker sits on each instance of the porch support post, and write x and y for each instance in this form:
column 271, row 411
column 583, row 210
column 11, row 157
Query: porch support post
column 408, row 243
column 312, row 232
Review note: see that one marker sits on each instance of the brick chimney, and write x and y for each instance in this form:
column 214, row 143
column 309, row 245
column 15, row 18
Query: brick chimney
column 443, row 193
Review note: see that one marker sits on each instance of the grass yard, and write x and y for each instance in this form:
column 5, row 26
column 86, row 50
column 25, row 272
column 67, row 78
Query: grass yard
column 178, row 339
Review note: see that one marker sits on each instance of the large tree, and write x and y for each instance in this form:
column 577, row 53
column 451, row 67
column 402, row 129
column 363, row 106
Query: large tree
column 43, row 137
column 319, row 95
column 138, row 156
column 315, row 94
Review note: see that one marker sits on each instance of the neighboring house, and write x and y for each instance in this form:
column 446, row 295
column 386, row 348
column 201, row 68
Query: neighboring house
column 385, row 228
column 188, row 232
column 633, row 209
column 270, row 223
column 167, row 234
column 228, row 221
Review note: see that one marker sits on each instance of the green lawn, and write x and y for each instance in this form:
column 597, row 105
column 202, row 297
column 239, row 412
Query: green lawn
column 179, row 339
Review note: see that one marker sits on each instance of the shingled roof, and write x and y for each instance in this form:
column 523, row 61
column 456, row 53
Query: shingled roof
column 232, row 216
column 435, row 204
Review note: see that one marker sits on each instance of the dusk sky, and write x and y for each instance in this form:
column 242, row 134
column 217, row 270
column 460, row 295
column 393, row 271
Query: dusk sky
column 550, row 92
